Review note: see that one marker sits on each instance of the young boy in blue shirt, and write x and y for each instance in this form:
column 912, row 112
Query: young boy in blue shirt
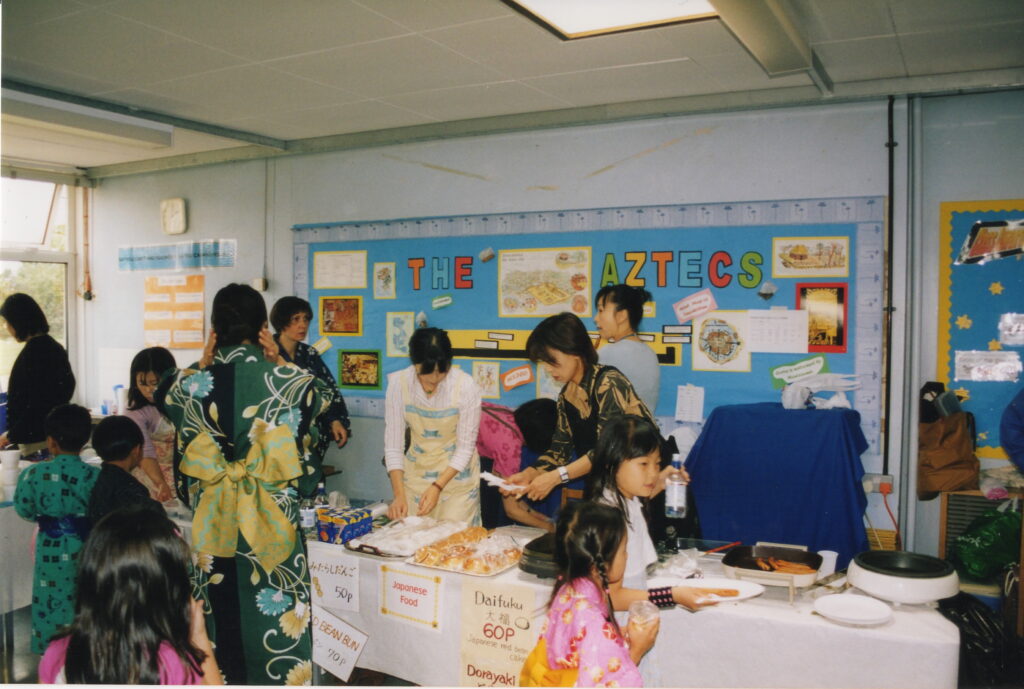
column 118, row 441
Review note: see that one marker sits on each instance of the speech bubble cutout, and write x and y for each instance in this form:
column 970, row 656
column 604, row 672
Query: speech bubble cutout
column 798, row 370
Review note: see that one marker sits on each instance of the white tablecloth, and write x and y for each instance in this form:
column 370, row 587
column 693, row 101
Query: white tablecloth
column 763, row 642
column 16, row 560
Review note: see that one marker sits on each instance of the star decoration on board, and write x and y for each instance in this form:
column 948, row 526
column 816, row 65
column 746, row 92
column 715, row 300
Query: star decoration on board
column 996, row 288
column 983, row 435
column 994, row 345
column 963, row 322
column 962, row 394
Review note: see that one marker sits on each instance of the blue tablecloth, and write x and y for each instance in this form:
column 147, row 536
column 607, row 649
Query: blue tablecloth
column 764, row 473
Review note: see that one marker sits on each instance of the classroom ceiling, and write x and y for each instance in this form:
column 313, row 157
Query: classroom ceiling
column 252, row 78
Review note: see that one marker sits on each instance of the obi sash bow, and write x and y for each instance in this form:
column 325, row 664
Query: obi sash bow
column 236, row 496
column 55, row 527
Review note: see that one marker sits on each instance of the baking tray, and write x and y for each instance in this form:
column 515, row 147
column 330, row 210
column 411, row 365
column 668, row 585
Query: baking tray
column 412, row 561
column 372, row 550
column 741, row 563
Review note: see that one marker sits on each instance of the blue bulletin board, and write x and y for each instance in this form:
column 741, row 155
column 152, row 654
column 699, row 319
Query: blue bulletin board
column 981, row 285
column 489, row 279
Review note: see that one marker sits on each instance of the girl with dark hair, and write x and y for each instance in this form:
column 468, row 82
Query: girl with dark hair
column 41, row 377
column 591, row 395
column 135, row 619
column 439, row 404
column 245, row 422
column 156, row 471
column 290, row 318
column 581, row 643
column 620, row 309
column 625, row 475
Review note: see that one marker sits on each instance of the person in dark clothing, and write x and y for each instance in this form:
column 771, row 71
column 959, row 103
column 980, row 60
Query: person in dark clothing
column 118, row 441
column 41, row 378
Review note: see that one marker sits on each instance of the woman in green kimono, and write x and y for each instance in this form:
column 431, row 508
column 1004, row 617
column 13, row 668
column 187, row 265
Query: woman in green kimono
column 55, row 494
column 245, row 423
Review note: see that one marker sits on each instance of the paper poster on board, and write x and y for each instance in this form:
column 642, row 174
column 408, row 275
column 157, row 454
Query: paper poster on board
column 172, row 314
column 721, row 342
column 543, row 282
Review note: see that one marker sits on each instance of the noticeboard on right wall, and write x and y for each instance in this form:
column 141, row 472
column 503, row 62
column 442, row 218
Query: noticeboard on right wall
column 981, row 310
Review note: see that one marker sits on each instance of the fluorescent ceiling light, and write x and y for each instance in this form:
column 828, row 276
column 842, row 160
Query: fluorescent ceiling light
column 580, row 18
column 80, row 120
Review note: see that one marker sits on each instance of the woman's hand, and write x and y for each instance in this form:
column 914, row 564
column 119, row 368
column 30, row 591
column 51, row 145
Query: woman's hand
column 339, row 433
column 398, row 509
column 522, row 478
column 429, row 499
column 211, row 346
column 641, row 637
column 3, row 441
column 690, row 599
column 542, row 485
column 271, row 351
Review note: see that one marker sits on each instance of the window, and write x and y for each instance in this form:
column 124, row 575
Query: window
column 35, row 233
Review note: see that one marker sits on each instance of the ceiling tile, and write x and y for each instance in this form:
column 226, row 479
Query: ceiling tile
column 263, row 29
column 738, row 71
column 636, row 82
column 838, row 21
column 389, row 67
column 862, row 60
column 696, row 39
column 248, row 91
column 21, row 13
column 516, row 48
column 348, row 118
column 424, row 15
column 911, row 16
column 56, row 79
column 962, row 51
column 124, row 52
column 485, row 100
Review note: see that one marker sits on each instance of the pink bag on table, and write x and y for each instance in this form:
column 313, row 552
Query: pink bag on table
column 499, row 438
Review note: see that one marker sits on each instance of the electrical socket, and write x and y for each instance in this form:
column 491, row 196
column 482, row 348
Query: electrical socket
column 873, row 482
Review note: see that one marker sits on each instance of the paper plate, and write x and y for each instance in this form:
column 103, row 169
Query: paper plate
column 747, row 589
column 853, row 609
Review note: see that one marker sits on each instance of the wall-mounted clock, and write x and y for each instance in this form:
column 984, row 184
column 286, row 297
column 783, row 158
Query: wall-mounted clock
column 172, row 216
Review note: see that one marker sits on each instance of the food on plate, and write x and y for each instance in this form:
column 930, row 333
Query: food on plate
column 470, row 550
column 578, row 282
column 402, row 538
column 579, row 303
column 722, row 593
column 774, row 564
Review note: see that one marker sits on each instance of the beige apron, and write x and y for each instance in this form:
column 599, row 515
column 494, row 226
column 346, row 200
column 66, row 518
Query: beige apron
column 433, row 433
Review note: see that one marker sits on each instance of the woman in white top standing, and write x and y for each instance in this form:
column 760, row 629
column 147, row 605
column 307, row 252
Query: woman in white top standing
column 620, row 308
column 439, row 474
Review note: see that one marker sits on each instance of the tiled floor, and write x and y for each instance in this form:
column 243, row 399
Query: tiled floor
column 25, row 664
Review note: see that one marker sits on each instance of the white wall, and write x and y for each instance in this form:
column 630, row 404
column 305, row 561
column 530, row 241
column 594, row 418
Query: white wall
column 821, row 151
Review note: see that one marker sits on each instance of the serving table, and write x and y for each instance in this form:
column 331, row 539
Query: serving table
column 764, row 641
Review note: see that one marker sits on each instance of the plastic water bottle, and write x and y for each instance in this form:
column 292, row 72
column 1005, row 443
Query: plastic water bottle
column 321, row 498
column 307, row 517
column 675, row 490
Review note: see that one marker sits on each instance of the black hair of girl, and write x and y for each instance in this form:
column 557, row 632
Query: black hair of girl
column 24, row 315
column 536, row 420
column 622, row 438
column 150, row 360
column 564, row 332
column 239, row 314
column 70, row 427
column 431, row 349
column 285, row 308
column 587, row 537
column 133, row 594
column 625, row 297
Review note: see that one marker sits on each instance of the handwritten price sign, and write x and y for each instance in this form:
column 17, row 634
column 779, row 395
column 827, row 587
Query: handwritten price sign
column 336, row 644
column 335, row 577
column 500, row 624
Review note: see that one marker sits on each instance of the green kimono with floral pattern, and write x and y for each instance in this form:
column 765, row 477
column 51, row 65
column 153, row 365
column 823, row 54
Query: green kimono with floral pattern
column 56, row 494
column 245, row 428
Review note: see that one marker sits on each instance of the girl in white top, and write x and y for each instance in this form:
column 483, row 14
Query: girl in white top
column 625, row 475
column 439, row 474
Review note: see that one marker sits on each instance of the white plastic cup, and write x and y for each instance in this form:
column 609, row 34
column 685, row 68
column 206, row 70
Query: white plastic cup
column 828, row 563
column 10, row 458
column 10, row 476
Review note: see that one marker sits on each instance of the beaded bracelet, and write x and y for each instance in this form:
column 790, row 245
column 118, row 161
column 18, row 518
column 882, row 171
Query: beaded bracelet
column 662, row 597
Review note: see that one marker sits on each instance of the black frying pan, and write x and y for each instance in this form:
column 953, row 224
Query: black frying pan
column 745, row 556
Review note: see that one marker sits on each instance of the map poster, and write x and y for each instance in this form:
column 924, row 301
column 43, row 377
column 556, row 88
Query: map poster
column 543, row 282
column 498, row 631
column 721, row 342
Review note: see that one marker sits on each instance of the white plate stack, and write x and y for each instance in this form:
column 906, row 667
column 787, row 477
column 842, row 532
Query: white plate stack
column 10, row 460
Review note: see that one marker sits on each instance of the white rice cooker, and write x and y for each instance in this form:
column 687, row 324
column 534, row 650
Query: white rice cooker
column 903, row 577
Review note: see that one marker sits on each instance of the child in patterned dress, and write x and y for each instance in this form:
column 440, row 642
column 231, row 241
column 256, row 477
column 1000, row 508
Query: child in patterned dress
column 581, row 643
column 55, row 493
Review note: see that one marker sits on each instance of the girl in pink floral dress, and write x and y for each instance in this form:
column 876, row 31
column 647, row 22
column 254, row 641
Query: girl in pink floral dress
column 581, row 644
